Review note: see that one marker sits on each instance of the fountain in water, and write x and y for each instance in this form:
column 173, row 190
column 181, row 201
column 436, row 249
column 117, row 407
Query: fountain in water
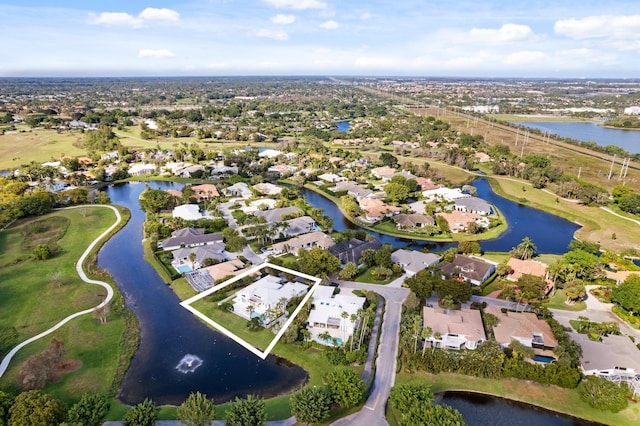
column 188, row 364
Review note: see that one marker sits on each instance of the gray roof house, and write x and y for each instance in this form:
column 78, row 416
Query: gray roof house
column 213, row 251
column 414, row 220
column 473, row 205
column 299, row 225
column 190, row 237
column 615, row 355
column 352, row 189
column 239, row 189
column 275, row 215
column 414, row 261
column 472, row 269
column 351, row 250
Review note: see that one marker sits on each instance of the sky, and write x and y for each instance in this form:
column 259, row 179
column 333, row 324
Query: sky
column 447, row 38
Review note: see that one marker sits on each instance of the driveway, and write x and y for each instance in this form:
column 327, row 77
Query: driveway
column 373, row 412
column 226, row 213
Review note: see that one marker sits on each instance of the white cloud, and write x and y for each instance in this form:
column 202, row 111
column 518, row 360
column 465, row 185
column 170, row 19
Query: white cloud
column 274, row 34
column 330, row 25
column 525, row 57
column 281, row 19
column 122, row 19
column 365, row 15
column 508, row 33
column 374, row 62
column 297, row 4
column 603, row 26
column 116, row 19
column 157, row 53
column 153, row 14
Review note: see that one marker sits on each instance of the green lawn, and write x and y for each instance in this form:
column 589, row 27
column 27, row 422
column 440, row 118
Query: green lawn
column 33, row 302
column 557, row 301
column 17, row 148
column 551, row 397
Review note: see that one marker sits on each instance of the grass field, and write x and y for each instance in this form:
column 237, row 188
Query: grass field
column 33, row 300
column 554, row 398
column 17, row 148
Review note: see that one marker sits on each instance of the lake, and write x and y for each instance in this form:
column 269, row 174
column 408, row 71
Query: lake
column 343, row 126
column 628, row 140
column 550, row 233
column 169, row 333
column 486, row 410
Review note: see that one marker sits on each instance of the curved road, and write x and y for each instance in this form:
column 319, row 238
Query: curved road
column 7, row 359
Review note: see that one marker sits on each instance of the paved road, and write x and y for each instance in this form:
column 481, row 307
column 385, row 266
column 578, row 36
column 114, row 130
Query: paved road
column 7, row 359
column 373, row 412
column 226, row 213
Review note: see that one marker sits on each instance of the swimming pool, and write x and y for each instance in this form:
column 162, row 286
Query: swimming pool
column 184, row 268
column 543, row 358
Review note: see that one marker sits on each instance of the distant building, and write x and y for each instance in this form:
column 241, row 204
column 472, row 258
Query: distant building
column 277, row 215
column 633, row 110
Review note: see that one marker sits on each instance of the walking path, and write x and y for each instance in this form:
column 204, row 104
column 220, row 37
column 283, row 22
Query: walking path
column 7, row 359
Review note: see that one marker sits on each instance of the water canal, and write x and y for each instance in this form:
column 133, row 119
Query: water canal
column 173, row 341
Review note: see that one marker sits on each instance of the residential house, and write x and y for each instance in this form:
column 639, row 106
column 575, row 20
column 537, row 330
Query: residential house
column 425, row 184
column 189, row 212
column 619, row 276
column 282, row 169
column 459, row 221
column 413, row 221
column 454, row 329
column 260, row 204
column 239, row 190
column 352, row 189
column 182, row 256
column 190, row 170
column 205, row 191
column 482, row 157
column 306, row 241
column 331, row 177
column 269, row 153
column 267, row 188
column 405, row 174
column 175, row 192
column 265, row 296
column 524, row 327
column 375, row 210
column 470, row 268
column 327, row 315
column 385, row 172
column 191, row 237
column 142, row 169
column 615, row 358
column 277, row 215
column 414, row 261
column 444, row 194
column 207, row 277
column 223, row 171
column 351, row 250
column 529, row 267
column 299, row 225
column 473, row 205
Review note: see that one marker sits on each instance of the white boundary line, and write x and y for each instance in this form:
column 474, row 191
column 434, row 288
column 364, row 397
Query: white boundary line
column 7, row 359
column 261, row 354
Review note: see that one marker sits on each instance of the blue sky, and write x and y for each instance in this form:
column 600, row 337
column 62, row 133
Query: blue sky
column 538, row 38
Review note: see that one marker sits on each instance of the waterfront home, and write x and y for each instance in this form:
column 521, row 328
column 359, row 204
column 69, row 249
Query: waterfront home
column 444, row 194
column 278, row 215
column 306, row 241
column 205, row 191
column 352, row 189
column 299, row 225
column 191, row 237
column 189, row 212
column 524, row 327
column 412, row 221
column 239, row 190
column 207, row 277
column 267, row 188
column 414, row 261
column 425, row 184
column 473, row 205
column 327, row 315
column 375, row 210
column 454, row 329
column 615, row 358
column 529, row 267
column 222, row 172
column 459, row 221
column 282, row 169
column 331, row 177
column 213, row 251
column 142, row 169
column 470, row 268
column 267, row 298
column 351, row 250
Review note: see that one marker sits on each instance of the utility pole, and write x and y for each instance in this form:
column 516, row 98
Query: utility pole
column 611, row 169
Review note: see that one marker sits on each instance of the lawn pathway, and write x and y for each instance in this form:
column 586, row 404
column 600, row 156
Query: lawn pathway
column 7, row 359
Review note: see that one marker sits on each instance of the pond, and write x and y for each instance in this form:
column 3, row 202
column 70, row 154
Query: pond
column 628, row 140
column 343, row 126
column 178, row 354
column 485, row 410
column 550, row 234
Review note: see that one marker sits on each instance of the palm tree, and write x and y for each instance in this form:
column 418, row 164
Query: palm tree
column 325, row 336
column 426, row 334
column 344, row 316
column 526, row 249
column 250, row 310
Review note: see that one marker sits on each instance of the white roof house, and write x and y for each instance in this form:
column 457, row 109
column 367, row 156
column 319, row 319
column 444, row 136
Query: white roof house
column 414, row 261
column 266, row 293
column 327, row 314
column 270, row 153
column 267, row 188
column 446, row 194
column 141, row 169
column 331, row 177
column 239, row 189
column 188, row 212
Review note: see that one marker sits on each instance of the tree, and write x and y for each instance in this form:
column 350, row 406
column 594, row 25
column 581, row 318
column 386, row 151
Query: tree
column 196, row 410
column 459, row 292
column 311, row 404
column 155, row 200
column 90, row 410
column 525, row 250
column 346, row 387
column 249, row 411
column 143, row 414
column 368, row 257
column 421, row 284
column 396, row 192
column 349, row 271
column 317, row 261
column 234, row 242
column 530, row 288
column 6, row 401
column 575, row 290
column 520, row 351
column 36, row 408
column 415, row 406
column 603, row 394
column 627, row 294
column 350, row 205
column 467, row 247
column 42, row 252
column 389, row 160
column 42, row 368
